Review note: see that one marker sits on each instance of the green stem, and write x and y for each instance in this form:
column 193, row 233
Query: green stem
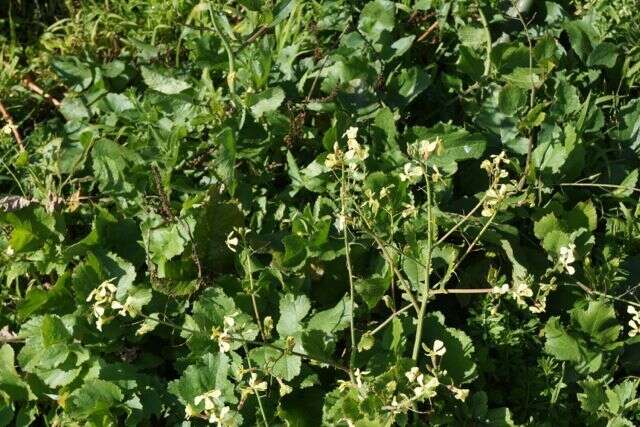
column 347, row 253
column 425, row 290
column 231, row 76
column 264, row 415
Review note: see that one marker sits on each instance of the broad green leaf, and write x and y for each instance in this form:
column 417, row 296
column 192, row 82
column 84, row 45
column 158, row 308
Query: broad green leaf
column 266, row 101
column 72, row 108
column 459, row 357
column 598, row 321
column 226, row 159
column 377, row 17
column 94, row 397
column 295, row 251
column 604, row 54
column 211, row 373
column 109, row 163
column 372, row 289
column 10, row 382
column 163, row 83
column 559, row 343
column 334, row 319
column 292, row 310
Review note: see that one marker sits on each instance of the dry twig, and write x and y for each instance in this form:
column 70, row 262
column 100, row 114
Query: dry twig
column 14, row 129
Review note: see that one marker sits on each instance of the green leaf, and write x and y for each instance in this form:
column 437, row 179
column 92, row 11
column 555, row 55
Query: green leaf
column 226, row 159
column 109, row 164
column 213, row 225
column 54, row 331
column 295, row 251
column 266, row 101
column 163, row 83
column 377, row 17
column 511, row 98
column 599, row 322
column 334, row 319
column 210, row 373
column 372, row 289
column 72, row 108
column 559, row 343
column 94, row 397
column 292, row 310
column 458, row 144
column 458, row 360
column 604, row 54
column 10, row 382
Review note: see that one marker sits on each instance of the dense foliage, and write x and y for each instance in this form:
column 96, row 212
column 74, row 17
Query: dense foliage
column 327, row 212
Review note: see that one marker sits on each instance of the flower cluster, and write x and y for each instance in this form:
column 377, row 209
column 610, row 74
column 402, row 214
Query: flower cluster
column 224, row 337
column 356, row 153
column 214, row 409
column 567, row 257
column 498, row 190
column 634, row 323
column 103, row 298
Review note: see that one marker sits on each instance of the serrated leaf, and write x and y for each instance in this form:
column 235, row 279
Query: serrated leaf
column 292, row 310
column 598, row 320
column 95, row 396
column 109, row 163
column 559, row 343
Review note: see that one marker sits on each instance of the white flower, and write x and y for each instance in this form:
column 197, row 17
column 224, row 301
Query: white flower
column 501, row 290
column 284, row 388
column 229, row 322
column 224, row 341
column 209, row 398
column 634, row 323
column 520, row 292
column 222, row 418
column 189, row 411
column 351, row 133
column 426, row 148
column 256, row 385
column 412, row 374
column 438, row 348
column 410, row 171
column 340, row 222
column 567, row 257
column 9, row 251
column 459, row 393
column 409, row 210
column 358, row 376
column 232, row 241
column 427, row 389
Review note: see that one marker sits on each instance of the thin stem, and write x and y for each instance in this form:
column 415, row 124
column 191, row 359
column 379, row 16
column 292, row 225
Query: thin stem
column 425, row 290
column 251, row 342
column 347, row 254
column 264, row 415
column 231, row 76
column 473, row 243
column 388, row 259
column 12, row 126
column 390, row 318
column 487, row 33
column 462, row 221
column 589, row 184
column 253, row 297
